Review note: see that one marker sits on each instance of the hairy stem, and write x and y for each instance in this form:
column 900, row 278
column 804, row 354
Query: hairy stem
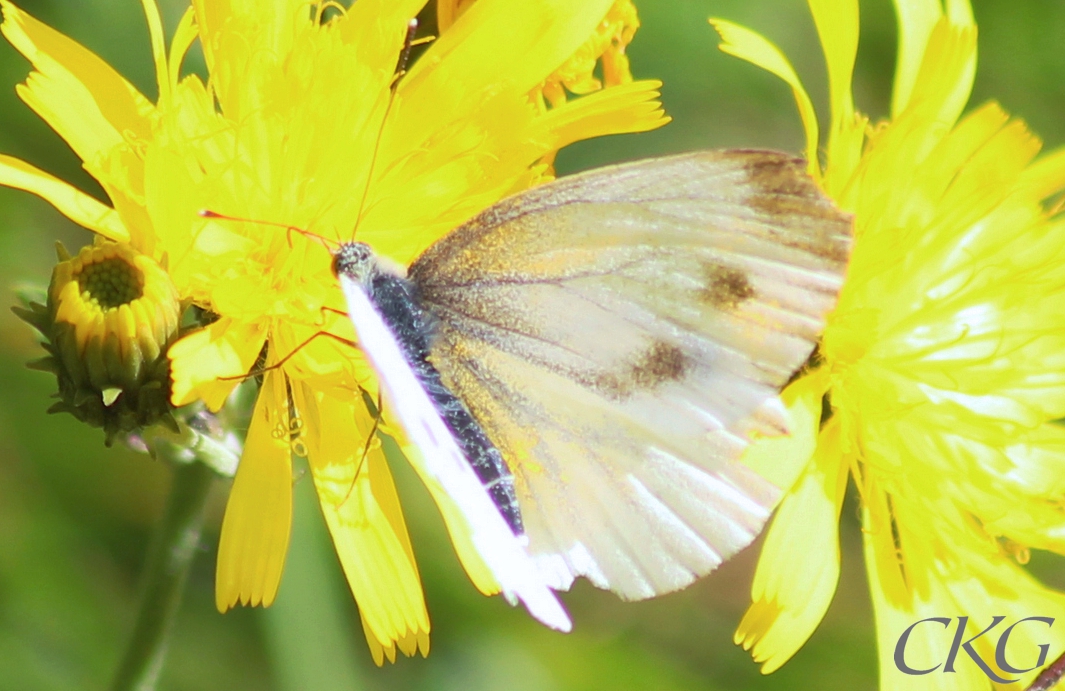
column 174, row 547
column 1050, row 676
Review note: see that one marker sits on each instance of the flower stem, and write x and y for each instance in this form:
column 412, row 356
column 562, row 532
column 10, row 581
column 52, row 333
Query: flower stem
column 1050, row 676
column 173, row 549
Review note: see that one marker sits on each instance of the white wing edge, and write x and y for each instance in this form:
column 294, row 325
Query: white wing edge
column 502, row 551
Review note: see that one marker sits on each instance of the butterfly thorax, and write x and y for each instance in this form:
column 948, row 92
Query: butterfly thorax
column 413, row 326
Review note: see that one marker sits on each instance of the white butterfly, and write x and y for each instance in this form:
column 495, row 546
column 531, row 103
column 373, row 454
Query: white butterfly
column 584, row 363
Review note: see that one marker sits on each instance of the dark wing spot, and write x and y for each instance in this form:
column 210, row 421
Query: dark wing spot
column 725, row 287
column 661, row 363
column 783, row 193
column 781, row 187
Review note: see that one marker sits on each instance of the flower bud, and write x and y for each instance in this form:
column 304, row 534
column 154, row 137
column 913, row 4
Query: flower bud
column 111, row 315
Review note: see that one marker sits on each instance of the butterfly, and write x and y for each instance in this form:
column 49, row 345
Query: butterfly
column 582, row 365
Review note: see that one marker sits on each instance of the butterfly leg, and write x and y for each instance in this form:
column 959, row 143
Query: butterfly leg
column 369, row 441
column 282, row 361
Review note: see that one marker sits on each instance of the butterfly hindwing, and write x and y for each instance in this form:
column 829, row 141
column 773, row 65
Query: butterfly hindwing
column 618, row 334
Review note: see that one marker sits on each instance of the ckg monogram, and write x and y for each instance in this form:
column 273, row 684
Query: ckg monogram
column 958, row 645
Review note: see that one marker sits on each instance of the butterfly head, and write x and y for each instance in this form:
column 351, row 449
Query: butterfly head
column 356, row 261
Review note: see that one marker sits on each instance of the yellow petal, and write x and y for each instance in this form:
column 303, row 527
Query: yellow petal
column 916, row 19
column 1046, row 176
column 1038, row 466
column 69, row 201
column 237, row 35
column 200, row 361
column 540, row 36
column 362, row 510
column 258, row 520
column 756, row 49
column 184, row 35
column 845, row 158
column 781, row 459
column 457, row 527
column 837, row 26
column 172, row 197
column 1014, row 488
column 995, row 167
column 944, row 79
column 631, row 107
column 83, row 99
column 158, row 41
column 799, row 566
column 960, row 12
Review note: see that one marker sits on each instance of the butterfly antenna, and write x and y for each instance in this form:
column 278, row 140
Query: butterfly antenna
column 401, row 69
column 323, row 241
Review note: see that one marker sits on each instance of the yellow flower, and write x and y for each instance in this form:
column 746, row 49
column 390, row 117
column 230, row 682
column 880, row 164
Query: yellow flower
column 291, row 128
column 943, row 365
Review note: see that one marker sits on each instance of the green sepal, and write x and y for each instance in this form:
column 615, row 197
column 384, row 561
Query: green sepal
column 60, row 407
column 170, row 422
column 45, row 364
column 61, row 252
column 36, row 316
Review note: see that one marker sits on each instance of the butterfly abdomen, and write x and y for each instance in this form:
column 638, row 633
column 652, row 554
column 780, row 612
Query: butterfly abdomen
column 413, row 327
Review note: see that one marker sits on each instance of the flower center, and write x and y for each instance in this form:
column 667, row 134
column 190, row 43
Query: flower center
column 111, row 283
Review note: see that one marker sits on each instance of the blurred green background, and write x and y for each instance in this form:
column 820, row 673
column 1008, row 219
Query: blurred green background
column 75, row 518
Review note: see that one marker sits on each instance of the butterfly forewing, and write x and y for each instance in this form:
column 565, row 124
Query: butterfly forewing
column 620, row 333
column 444, row 463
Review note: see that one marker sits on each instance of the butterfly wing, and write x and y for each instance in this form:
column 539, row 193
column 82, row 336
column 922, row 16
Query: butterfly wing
column 619, row 334
column 444, row 463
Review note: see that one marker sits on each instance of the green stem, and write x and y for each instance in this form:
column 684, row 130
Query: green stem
column 174, row 547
